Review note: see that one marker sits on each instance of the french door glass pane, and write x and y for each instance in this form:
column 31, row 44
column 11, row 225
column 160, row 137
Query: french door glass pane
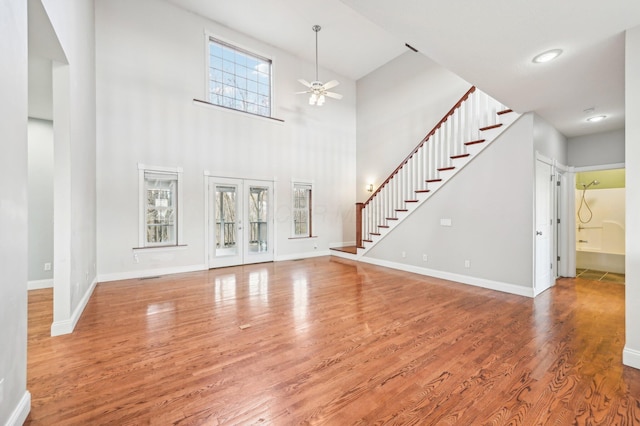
column 258, row 219
column 226, row 216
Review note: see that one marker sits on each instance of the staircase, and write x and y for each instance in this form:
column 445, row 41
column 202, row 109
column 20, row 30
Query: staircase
column 467, row 129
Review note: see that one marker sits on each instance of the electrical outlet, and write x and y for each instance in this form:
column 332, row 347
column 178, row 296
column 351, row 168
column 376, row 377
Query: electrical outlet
column 424, row 257
column 404, row 254
column 315, row 246
column 47, row 266
column 467, row 264
column 135, row 258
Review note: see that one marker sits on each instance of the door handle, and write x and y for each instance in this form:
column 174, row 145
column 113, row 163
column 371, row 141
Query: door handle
column 538, row 232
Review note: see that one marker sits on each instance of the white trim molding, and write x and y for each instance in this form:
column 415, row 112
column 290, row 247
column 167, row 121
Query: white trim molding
column 304, row 255
column 40, row 284
column 458, row 278
column 67, row 326
column 631, row 357
column 20, row 413
column 146, row 273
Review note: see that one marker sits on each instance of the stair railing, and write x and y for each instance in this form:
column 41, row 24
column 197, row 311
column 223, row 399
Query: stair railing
column 433, row 155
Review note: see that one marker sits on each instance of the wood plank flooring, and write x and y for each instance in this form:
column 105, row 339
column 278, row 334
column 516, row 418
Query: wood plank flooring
column 335, row 342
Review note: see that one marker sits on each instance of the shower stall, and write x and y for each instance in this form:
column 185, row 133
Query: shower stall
column 600, row 221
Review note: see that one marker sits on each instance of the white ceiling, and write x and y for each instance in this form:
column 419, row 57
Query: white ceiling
column 488, row 43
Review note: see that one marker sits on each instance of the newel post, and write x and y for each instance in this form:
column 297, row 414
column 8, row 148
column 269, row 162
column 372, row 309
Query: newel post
column 359, row 207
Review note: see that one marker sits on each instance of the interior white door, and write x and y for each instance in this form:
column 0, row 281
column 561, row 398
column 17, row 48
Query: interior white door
column 544, row 238
column 240, row 222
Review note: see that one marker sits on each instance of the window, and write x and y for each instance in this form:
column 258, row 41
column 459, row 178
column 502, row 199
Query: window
column 160, row 206
column 238, row 79
column 302, row 203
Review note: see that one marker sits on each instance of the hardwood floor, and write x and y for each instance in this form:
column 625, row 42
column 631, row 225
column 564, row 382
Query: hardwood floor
column 331, row 341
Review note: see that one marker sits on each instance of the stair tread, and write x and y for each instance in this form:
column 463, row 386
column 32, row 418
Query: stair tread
column 433, row 180
column 383, row 226
column 367, row 241
column 411, row 201
column 419, row 191
column 444, row 169
column 453, row 157
column 506, row 111
column 475, row 142
column 494, row 126
column 402, row 210
column 374, row 233
column 392, row 218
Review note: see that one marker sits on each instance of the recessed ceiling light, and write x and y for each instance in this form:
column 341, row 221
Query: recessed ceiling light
column 547, row 56
column 596, row 118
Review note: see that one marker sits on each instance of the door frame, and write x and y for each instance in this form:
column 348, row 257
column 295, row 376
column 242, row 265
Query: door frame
column 246, row 259
column 550, row 178
column 562, row 220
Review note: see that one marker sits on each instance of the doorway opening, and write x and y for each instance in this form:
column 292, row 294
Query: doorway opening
column 600, row 225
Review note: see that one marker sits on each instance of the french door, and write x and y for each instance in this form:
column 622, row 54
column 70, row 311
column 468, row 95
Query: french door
column 240, row 221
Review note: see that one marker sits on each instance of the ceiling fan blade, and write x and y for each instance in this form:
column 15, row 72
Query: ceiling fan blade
column 328, row 85
column 302, row 93
column 333, row 95
column 304, row 82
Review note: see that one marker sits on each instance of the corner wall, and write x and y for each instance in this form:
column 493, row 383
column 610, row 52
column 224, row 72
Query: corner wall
column 631, row 353
column 15, row 404
column 74, row 112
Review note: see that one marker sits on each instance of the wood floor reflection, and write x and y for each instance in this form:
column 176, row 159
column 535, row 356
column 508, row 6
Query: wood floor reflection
column 330, row 341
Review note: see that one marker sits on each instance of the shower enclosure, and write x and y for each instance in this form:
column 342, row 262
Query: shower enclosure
column 600, row 220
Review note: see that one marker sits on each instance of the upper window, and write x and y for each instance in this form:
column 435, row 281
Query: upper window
column 239, row 79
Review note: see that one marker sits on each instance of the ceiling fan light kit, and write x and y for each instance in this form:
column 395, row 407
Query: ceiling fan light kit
column 317, row 89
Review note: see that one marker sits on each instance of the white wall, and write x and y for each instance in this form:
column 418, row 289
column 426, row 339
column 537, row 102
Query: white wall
column 398, row 105
column 490, row 205
column 74, row 160
column 150, row 66
column 597, row 149
column 631, row 354
column 548, row 141
column 14, row 406
column 40, row 135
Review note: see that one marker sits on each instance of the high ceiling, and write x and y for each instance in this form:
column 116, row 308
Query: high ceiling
column 489, row 43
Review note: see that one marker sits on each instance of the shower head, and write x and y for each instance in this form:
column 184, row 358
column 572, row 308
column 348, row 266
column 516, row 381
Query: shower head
column 593, row 182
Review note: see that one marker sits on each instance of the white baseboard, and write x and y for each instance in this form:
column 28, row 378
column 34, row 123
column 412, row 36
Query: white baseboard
column 66, row 326
column 20, row 413
column 463, row 279
column 129, row 275
column 305, row 255
column 631, row 357
column 40, row 284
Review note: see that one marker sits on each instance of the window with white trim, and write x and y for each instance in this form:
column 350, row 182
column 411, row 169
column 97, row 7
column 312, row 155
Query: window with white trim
column 238, row 79
column 160, row 193
column 302, row 209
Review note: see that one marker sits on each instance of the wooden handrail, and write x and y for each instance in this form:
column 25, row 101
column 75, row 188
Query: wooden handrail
column 426, row 138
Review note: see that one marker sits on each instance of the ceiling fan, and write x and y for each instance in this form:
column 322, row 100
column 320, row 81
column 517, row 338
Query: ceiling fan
column 317, row 89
